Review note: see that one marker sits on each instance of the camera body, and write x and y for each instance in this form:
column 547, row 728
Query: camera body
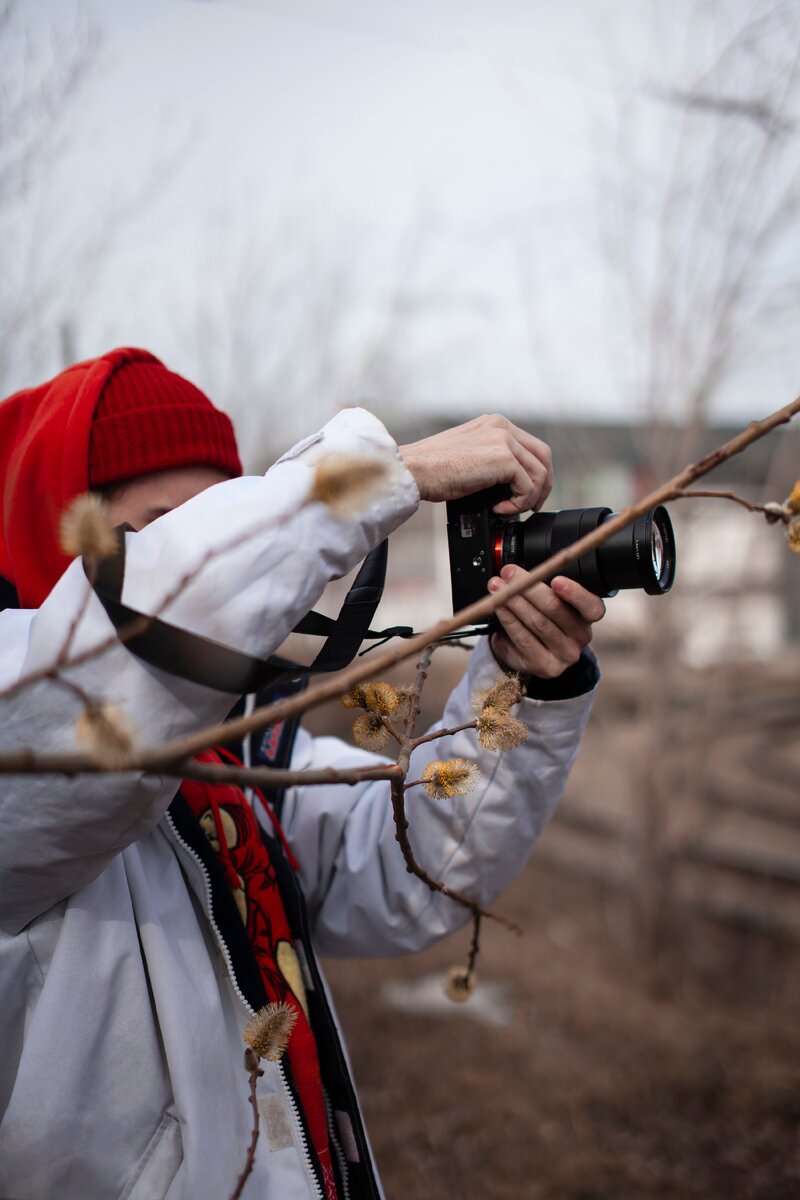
column 481, row 543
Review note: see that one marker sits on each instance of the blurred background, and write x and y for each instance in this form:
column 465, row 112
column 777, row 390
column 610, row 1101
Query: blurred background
column 583, row 215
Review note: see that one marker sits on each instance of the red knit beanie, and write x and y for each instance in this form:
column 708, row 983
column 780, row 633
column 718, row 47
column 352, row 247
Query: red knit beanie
column 100, row 421
column 149, row 419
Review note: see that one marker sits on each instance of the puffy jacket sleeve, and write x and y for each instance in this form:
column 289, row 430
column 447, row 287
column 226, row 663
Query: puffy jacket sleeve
column 59, row 833
column 362, row 901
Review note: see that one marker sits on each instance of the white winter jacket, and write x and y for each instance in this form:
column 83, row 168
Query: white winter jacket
column 121, row 1048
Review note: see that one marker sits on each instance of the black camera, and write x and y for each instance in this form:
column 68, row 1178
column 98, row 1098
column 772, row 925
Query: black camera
column 641, row 555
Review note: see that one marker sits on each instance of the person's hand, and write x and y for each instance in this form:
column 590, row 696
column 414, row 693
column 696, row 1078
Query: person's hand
column 481, row 453
column 546, row 628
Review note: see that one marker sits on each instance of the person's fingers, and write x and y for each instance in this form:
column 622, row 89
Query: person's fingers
column 590, row 607
column 517, row 653
column 531, row 484
column 523, row 461
column 485, row 451
column 526, row 478
column 533, row 473
column 528, row 621
column 542, row 453
column 564, row 613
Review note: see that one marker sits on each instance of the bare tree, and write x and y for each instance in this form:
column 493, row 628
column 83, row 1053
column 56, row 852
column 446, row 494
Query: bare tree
column 696, row 203
column 698, row 214
column 293, row 318
column 44, row 74
column 56, row 234
column 698, row 239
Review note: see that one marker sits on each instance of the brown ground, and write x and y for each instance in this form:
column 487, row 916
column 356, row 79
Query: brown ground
column 599, row 1089
column 614, row 1079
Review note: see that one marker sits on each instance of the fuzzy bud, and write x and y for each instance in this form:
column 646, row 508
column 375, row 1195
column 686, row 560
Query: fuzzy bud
column 793, row 500
column 379, row 698
column 503, row 694
column 268, row 1032
column 498, row 730
column 103, row 731
column 347, row 485
column 369, row 732
column 459, row 984
column 85, row 528
column 444, row 780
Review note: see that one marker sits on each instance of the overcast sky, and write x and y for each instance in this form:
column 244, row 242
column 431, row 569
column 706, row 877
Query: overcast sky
column 440, row 160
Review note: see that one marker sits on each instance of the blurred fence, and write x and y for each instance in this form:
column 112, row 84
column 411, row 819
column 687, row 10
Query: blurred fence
column 731, row 843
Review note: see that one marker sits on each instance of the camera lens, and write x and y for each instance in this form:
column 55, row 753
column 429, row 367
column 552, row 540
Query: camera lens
column 657, row 550
column 640, row 555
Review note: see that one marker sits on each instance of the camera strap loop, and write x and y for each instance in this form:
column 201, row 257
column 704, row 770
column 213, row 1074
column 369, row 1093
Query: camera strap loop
column 204, row 661
column 346, row 633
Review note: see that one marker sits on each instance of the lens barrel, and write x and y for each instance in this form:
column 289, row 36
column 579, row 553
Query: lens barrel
column 640, row 555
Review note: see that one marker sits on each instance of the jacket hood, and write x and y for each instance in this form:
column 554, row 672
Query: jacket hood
column 44, row 464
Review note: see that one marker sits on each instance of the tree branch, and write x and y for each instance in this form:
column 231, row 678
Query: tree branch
column 772, row 512
column 440, row 733
column 160, row 757
column 474, row 948
column 398, row 790
column 272, row 777
column 140, row 624
column 254, row 1073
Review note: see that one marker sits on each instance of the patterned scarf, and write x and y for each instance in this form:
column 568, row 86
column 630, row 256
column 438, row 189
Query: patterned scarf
column 228, row 822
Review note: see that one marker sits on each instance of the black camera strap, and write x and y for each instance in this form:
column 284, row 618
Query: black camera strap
column 9, row 597
column 205, row 661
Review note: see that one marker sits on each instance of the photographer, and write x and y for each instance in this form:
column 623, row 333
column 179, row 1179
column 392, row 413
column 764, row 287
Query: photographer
column 140, row 928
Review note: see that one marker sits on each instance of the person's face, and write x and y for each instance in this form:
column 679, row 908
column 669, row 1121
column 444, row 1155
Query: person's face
column 139, row 501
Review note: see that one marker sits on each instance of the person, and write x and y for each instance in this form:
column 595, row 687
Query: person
column 142, row 922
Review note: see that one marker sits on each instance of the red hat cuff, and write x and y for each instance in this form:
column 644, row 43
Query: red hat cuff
column 154, row 439
column 150, row 419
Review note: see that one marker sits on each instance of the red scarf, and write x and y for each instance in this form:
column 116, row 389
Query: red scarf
column 229, row 824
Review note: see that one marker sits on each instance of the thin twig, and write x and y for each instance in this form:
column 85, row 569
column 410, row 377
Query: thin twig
column 76, row 690
column 274, row 777
column 435, row 885
column 412, row 716
column 255, row 1074
column 440, row 733
column 474, row 948
column 398, row 789
column 52, row 672
column 140, row 624
column 63, row 654
column 773, row 513
column 125, row 634
column 391, row 729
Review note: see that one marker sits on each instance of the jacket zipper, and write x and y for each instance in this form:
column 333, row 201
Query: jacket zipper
column 305, row 934
column 289, row 1097
column 334, row 1140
